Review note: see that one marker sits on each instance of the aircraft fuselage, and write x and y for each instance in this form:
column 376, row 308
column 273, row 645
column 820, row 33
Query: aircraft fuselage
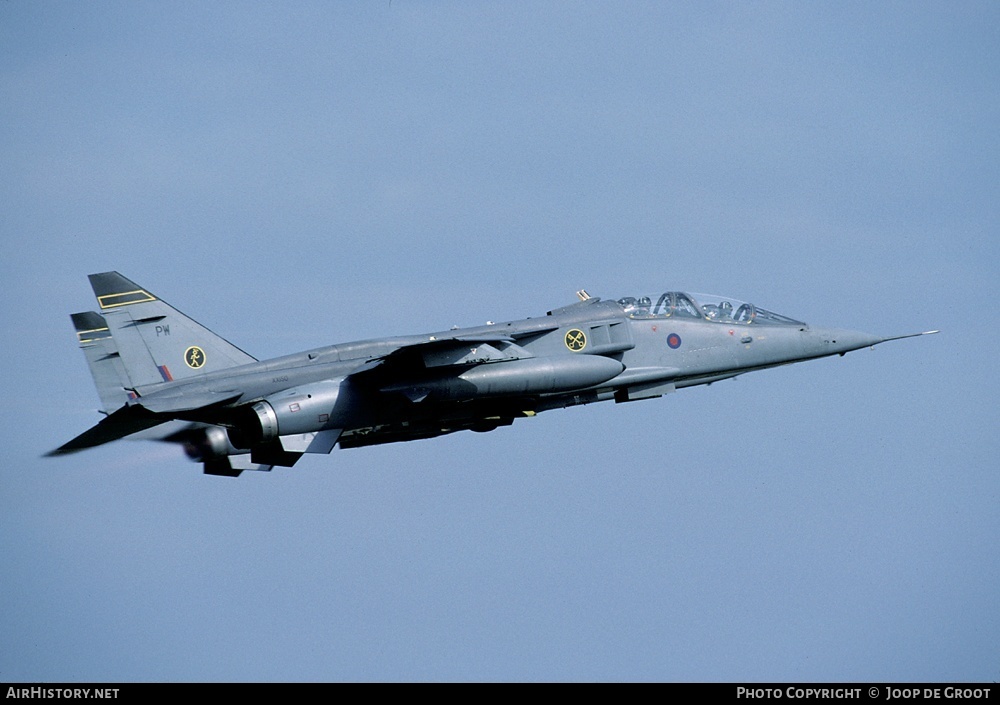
column 153, row 365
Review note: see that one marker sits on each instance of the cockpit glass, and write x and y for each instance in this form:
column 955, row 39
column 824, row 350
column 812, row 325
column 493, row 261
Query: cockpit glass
column 709, row 307
column 685, row 307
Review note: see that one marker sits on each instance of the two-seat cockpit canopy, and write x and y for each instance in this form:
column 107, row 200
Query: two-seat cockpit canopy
column 708, row 307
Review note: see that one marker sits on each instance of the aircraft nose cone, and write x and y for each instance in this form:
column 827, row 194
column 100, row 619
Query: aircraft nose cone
column 831, row 341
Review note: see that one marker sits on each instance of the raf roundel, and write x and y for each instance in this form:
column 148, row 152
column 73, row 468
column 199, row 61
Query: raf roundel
column 194, row 357
column 674, row 341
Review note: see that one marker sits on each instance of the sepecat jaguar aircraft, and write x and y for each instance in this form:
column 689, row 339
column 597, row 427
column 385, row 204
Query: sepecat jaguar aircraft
column 162, row 376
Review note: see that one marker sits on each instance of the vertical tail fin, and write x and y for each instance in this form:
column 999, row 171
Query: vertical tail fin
column 206, row 444
column 105, row 363
column 156, row 342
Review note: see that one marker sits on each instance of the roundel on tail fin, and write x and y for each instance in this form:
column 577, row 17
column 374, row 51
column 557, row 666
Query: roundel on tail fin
column 194, row 357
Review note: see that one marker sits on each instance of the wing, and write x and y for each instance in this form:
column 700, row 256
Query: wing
column 466, row 382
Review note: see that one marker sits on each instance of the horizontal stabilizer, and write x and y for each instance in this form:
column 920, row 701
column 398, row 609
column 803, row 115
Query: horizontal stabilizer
column 124, row 422
column 178, row 403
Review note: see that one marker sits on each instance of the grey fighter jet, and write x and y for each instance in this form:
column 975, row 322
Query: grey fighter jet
column 162, row 376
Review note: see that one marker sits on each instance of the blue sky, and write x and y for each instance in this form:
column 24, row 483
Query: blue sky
column 304, row 174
